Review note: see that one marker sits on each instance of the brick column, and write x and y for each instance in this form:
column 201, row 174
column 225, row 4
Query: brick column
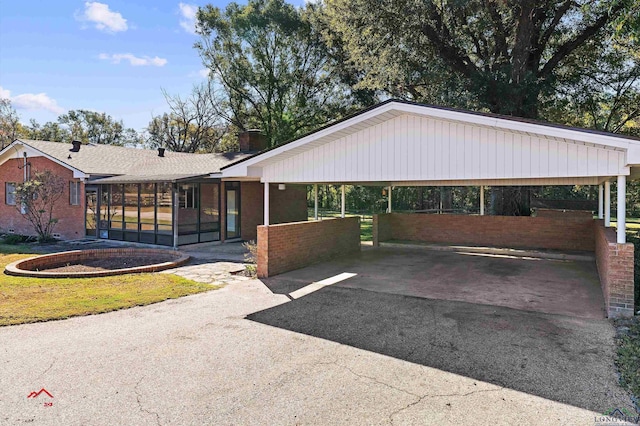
column 615, row 266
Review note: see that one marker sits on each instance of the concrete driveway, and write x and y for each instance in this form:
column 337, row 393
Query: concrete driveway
column 247, row 355
column 565, row 287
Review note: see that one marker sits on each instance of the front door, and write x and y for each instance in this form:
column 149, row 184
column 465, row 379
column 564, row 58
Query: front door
column 232, row 194
column 91, row 213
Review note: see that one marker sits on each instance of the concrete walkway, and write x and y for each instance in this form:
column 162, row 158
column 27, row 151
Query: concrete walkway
column 232, row 356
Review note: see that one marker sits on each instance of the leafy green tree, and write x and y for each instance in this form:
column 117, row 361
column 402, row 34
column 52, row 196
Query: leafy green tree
column 10, row 127
column 502, row 56
column 97, row 127
column 268, row 68
column 49, row 131
column 36, row 200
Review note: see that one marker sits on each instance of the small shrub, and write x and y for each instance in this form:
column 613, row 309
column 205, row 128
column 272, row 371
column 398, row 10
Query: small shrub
column 14, row 239
column 251, row 257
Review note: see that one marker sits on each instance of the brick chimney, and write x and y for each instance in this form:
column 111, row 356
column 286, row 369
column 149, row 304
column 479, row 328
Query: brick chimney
column 252, row 140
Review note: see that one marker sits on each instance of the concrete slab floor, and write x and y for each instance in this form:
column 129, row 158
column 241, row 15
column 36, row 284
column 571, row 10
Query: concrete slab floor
column 565, row 287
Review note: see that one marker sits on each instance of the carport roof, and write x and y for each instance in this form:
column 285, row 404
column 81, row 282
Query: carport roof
column 405, row 143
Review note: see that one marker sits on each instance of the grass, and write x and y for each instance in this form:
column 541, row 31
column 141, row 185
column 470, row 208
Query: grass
column 27, row 300
column 628, row 356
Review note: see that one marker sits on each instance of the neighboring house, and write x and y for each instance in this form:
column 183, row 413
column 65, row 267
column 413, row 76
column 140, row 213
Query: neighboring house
column 147, row 196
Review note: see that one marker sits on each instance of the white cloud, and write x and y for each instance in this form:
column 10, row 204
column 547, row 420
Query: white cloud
column 32, row 101
column 188, row 14
column 136, row 61
column 103, row 18
column 204, row 72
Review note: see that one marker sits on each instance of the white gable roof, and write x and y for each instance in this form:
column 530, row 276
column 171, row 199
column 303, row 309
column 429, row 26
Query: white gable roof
column 404, row 143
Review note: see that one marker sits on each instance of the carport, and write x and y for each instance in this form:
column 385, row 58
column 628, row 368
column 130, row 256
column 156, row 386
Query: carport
column 398, row 143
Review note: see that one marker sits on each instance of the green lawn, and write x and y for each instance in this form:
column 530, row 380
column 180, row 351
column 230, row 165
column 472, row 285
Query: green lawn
column 25, row 300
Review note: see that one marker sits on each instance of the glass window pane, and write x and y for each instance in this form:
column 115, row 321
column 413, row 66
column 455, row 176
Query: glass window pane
column 131, row 206
column 147, row 204
column 103, row 222
column 188, row 213
column 10, row 193
column 209, row 204
column 165, row 208
column 115, row 207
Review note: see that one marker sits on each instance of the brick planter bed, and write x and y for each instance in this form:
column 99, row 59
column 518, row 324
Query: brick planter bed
column 41, row 266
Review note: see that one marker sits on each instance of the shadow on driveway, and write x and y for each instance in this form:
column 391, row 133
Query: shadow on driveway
column 562, row 358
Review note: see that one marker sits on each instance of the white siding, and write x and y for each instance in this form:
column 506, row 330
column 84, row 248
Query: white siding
column 413, row 148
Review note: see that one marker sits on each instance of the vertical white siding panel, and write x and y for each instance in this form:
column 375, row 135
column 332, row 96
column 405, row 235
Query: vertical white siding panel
column 428, row 153
column 437, row 148
column 467, row 152
column 572, row 159
column 475, row 159
column 535, row 155
column 417, row 147
column 487, row 150
column 543, row 145
column 592, row 160
column 602, row 161
column 499, row 158
column 515, row 145
column 458, row 153
column 379, row 153
column 582, row 157
column 553, row 156
column 621, row 161
column 404, row 152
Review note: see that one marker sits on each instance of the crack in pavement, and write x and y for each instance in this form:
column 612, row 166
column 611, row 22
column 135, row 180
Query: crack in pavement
column 48, row 368
column 423, row 397
column 138, row 396
column 419, row 398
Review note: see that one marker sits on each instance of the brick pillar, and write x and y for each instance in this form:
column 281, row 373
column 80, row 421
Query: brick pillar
column 263, row 252
column 615, row 266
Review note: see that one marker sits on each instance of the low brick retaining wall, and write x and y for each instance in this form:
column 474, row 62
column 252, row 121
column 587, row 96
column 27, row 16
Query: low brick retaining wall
column 290, row 246
column 615, row 266
column 36, row 267
column 564, row 233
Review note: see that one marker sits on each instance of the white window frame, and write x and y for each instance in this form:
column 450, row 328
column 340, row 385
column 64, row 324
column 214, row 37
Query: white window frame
column 74, row 193
column 8, row 193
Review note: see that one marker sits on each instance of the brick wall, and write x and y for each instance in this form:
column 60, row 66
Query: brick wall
column 290, row 246
column 565, row 233
column 70, row 218
column 285, row 206
column 615, row 267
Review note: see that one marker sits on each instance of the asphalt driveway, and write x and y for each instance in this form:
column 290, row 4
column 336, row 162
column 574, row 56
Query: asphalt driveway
column 247, row 355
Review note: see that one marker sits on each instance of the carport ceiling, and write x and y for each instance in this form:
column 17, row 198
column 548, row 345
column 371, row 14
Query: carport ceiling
column 403, row 143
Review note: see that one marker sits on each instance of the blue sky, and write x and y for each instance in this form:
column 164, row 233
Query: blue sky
column 109, row 56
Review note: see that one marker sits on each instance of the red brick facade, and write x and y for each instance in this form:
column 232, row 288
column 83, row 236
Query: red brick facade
column 285, row 206
column 565, row 233
column 290, row 246
column 615, row 267
column 70, row 218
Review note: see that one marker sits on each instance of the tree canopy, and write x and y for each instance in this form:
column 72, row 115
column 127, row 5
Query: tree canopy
column 268, row 68
column 501, row 56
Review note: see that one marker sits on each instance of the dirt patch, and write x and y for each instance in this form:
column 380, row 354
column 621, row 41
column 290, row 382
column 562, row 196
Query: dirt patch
column 109, row 264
